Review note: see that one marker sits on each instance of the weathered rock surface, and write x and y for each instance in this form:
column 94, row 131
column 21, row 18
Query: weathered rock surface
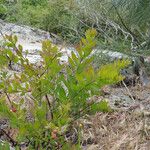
column 28, row 35
column 30, row 38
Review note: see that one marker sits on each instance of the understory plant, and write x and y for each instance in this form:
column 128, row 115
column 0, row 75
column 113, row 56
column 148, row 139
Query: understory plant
column 58, row 93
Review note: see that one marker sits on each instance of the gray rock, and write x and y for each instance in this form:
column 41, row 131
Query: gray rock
column 30, row 38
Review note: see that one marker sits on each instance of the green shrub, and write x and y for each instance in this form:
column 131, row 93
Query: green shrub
column 53, row 16
column 3, row 9
column 69, row 91
column 119, row 26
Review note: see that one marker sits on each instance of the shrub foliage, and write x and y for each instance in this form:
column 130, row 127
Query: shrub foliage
column 60, row 93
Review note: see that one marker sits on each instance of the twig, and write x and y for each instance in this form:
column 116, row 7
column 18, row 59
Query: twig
column 128, row 91
column 14, row 143
column 49, row 105
column 125, row 26
column 8, row 98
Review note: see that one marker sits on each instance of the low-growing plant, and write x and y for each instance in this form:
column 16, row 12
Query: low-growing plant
column 60, row 93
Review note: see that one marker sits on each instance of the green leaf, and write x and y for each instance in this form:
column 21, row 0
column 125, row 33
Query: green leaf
column 15, row 39
column 4, row 146
column 102, row 106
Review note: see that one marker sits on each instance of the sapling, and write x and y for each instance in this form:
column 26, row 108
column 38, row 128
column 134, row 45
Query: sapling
column 61, row 96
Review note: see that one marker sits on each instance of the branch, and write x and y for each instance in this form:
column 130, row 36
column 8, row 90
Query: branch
column 128, row 91
column 49, row 105
column 8, row 98
column 10, row 139
column 137, row 41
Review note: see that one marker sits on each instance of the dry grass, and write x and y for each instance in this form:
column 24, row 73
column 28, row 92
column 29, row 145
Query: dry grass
column 118, row 131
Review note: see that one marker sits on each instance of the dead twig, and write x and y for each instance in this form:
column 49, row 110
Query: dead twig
column 10, row 139
column 49, row 105
column 8, row 98
column 128, row 91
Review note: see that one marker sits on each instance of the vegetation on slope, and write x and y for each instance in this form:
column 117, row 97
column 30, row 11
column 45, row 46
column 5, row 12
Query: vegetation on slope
column 121, row 21
column 121, row 25
column 59, row 93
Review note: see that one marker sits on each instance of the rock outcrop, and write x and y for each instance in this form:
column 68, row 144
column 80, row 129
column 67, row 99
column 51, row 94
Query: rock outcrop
column 30, row 38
